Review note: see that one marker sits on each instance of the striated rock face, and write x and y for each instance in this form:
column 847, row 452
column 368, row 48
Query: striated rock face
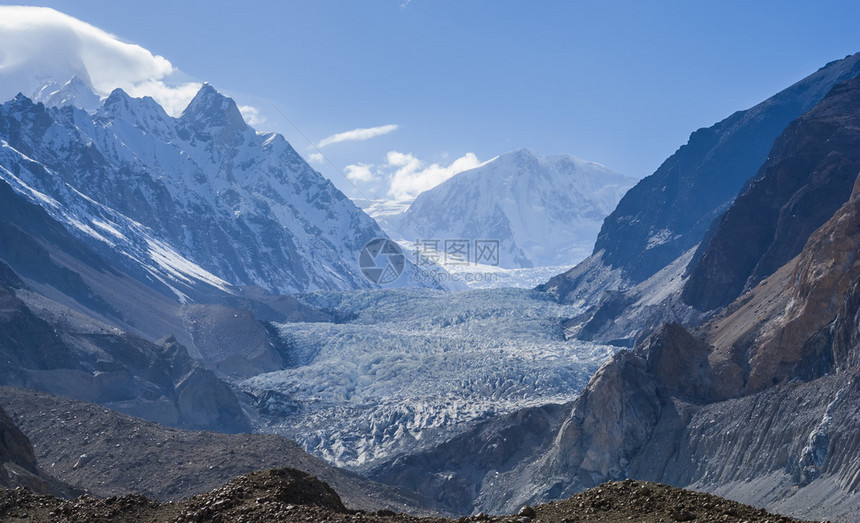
column 760, row 402
column 807, row 177
column 774, row 376
column 618, row 413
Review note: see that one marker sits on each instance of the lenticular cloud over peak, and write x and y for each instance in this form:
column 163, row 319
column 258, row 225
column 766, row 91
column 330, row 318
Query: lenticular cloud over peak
column 40, row 46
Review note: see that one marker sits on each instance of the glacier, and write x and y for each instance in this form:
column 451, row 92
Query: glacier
column 414, row 367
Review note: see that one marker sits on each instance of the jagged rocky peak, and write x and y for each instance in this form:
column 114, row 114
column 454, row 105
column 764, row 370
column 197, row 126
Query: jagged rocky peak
column 143, row 113
column 210, row 110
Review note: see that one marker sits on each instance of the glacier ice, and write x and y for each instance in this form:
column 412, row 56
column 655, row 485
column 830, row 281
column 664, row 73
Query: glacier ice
column 415, row 367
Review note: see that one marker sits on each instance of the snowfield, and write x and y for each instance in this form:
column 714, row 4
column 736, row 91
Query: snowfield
column 415, row 367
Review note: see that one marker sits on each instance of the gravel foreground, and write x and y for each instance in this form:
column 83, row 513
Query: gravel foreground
column 294, row 496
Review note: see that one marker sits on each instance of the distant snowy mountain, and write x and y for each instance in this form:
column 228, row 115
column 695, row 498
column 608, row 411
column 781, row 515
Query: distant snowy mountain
column 76, row 92
column 542, row 211
column 198, row 198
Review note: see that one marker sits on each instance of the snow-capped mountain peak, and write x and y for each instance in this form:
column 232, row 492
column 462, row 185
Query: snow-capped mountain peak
column 76, row 92
column 142, row 113
column 205, row 188
column 543, row 211
column 210, row 111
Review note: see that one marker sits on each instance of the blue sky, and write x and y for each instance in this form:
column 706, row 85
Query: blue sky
column 620, row 83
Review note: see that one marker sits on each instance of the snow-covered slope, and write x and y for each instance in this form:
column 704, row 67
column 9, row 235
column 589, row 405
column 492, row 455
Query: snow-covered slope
column 415, row 367
column 544, row 211
column 203, row 195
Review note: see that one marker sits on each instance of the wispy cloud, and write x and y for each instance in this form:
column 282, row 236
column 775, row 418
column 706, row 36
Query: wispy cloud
column 357, row 135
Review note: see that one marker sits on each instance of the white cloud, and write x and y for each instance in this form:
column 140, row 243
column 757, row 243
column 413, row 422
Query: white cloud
column 360, row 172
column 413, row 177
column 356, row 135
column 174, row 99
column 316, row 158
column 40, row 45
column 252, row 115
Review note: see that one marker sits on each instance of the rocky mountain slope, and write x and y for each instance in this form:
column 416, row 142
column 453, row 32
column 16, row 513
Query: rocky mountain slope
column 18, row 465
column 61, row 307
column 807, row 177
column 668, row 213
column 75, row 356
column 63, row 278
column 773, row 373
column 111, row 454
column 543, row 211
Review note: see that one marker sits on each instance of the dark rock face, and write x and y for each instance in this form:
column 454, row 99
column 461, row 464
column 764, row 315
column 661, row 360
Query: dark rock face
column 814, row 331
column 696, row 184
column 18, row 466
column 774, row 374
column 670, row 211
column 807, row 177
column 15, row 448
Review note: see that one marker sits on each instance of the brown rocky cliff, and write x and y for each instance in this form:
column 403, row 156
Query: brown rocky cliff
column 807, row 177
column 799, row 343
